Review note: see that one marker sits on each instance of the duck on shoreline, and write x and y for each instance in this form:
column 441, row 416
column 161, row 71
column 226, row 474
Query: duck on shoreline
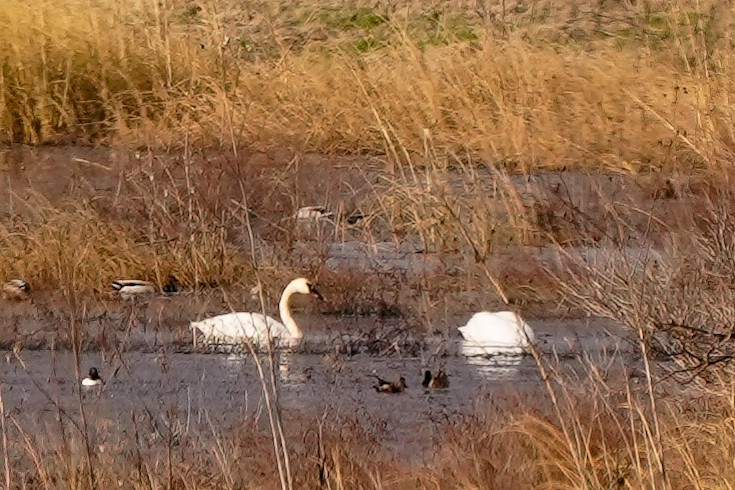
column 313, row 213
column 16, row 289
column 132, row 288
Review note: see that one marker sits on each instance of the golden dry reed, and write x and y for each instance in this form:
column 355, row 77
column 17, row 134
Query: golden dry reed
column 615, row 85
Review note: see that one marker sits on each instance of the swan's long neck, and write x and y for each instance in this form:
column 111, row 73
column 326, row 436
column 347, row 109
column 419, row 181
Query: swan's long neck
column 285, row 311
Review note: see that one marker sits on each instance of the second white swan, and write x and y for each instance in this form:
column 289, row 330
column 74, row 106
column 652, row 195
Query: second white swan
column 237, row 327
column 503, row 329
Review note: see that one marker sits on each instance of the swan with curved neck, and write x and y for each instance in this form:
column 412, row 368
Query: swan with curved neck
column 239, row 326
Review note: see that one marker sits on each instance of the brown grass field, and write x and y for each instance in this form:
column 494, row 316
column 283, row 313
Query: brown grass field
column 617, row 86
column 145, row 139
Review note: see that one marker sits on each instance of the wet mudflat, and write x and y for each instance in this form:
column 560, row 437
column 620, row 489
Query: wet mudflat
column 207, row 393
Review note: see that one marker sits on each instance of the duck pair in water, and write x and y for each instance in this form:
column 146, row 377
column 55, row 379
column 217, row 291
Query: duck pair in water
column 438, row 381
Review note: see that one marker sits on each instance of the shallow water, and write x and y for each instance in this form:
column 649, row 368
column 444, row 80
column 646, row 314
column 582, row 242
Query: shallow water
column 224, row 389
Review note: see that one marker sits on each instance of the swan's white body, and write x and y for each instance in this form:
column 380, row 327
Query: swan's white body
column 503, row 329
column 234, row 328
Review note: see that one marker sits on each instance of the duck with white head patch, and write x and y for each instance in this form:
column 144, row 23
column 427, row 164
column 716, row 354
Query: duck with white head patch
column 93, row 378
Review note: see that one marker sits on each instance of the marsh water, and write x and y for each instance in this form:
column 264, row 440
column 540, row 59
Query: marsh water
column 152, row 374
column 205, row 390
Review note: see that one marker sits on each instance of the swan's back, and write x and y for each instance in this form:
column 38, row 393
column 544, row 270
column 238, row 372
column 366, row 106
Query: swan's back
column 237, row 327
column 500, row 328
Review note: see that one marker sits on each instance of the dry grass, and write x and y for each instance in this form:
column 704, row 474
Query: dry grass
column 677, row 296
column 55, row 242
column 187, row 214
column 437, row 240
column 606, row 440
column 539, row 84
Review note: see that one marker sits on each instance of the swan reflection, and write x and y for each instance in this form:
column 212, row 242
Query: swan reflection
column 492, row 361
column 287, row 368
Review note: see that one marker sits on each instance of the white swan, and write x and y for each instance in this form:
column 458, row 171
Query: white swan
column 240, row 326
column 500, row 330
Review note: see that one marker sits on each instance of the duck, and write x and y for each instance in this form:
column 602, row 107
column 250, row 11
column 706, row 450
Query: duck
column 131, row 288
column 171, row 286
column 237, row 327
column 313, row 213
column 439, row 381
column 500, row 330
column 355, row 218
column 16, row 289
column 93, row 378
column 384, row 386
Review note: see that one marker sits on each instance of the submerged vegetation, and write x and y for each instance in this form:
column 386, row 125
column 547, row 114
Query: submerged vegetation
column 550, row 157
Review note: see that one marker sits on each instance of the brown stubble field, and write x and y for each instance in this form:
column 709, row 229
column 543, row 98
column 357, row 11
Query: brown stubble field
column 491, row 143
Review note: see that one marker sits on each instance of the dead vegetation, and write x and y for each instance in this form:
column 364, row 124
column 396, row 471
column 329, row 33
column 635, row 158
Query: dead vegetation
column 594, row 85
column 677, row 297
